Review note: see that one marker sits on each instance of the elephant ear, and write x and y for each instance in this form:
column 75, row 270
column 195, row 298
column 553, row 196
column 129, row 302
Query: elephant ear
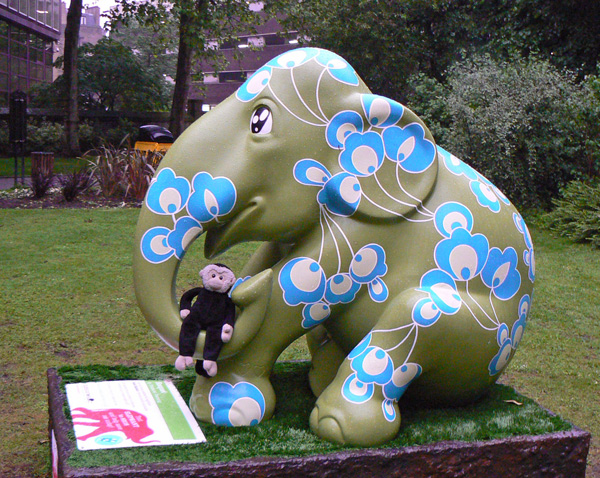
column 388, row 160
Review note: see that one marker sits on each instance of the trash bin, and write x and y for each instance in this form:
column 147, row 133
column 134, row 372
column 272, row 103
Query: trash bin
column 42, row 163
column 152, row 138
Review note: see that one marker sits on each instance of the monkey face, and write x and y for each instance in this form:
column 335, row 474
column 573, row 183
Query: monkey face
column 217, row 278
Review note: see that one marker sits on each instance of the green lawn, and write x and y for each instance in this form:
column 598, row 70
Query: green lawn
column 61, row 165
column 67, row 299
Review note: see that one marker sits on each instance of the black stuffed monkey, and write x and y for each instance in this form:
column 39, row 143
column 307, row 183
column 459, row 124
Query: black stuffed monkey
column 214, row 312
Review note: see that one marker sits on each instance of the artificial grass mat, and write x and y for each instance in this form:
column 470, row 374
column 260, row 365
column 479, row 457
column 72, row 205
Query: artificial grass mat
column 503, row 413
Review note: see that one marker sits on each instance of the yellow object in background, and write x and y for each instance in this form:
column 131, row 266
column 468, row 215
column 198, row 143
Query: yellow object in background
column 152, row 146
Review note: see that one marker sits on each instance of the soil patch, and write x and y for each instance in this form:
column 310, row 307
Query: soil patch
column 55, row 200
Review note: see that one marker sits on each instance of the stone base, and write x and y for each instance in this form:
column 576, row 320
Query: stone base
column 555, row 455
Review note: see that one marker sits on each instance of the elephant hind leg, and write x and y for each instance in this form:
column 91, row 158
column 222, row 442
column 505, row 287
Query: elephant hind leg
column 327, row 356
column 360, row 406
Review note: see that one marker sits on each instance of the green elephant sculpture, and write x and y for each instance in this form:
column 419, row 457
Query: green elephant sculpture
column 413, row 273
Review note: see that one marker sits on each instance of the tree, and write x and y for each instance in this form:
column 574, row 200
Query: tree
column 154, row 46
column 388, row 41
column 70, row 75
column 111, row 77
column 200, row 23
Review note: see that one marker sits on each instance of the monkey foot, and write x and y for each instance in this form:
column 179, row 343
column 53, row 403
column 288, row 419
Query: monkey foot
column 182, row 362
column 211, row 367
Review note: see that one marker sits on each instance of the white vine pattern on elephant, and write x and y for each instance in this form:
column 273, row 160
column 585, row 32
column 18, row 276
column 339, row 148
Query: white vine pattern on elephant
column 386, row 164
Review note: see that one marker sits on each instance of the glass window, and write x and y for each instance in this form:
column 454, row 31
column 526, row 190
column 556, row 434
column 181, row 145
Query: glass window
column 22, row 67
column 23, row 83
column 3, row 45
column 14, row 4
column 55, row 14
column 23, row 6
column 18, row 35
column 274, row 40
column 4, row 2
column 232, row 76
column 32, row 8
column 40, row 11
column 48, row 10
column 4, row 81
column 17, row 49
column 3, row 63
column 3, row 28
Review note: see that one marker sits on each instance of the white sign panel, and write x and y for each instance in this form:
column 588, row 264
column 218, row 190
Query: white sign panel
column 126, row 413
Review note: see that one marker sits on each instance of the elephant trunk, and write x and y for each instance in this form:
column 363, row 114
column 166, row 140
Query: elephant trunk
column 155, row 285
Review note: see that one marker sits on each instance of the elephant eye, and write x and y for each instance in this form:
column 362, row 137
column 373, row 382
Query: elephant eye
column 262, row 121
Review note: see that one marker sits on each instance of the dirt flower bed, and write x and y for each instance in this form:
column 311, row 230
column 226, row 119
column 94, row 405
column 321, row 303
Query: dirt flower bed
column 22, row 198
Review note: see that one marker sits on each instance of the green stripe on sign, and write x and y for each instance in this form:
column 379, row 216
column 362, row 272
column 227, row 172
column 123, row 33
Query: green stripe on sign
column 178, row 425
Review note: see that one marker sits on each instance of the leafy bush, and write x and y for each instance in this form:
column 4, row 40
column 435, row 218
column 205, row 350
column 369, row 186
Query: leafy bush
column 120, row 134
column 5, row 145
column 76, row 183
column 577, row 214
column 522, row 123
column 45, row 136
column 88, row 136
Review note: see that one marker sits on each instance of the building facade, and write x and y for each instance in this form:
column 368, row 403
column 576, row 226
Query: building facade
column 242, row 57
column 90, row 31
column 28, row 30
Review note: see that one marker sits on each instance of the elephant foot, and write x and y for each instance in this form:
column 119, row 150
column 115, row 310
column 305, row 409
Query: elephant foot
column 355, row 412
column 229, row 399
column 365, row 424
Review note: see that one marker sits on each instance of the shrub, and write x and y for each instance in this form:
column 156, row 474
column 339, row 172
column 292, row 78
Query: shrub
column 108, row 165
column 76, row 183
column 123, row 172
column 121, row 134
column 45, row 136
column 577, row 214
column 41, row 182
column 139, row 171
column 522, row 123
column 89, row 137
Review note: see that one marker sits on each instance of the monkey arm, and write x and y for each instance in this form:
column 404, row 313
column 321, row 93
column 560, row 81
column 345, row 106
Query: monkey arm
column 186, row 299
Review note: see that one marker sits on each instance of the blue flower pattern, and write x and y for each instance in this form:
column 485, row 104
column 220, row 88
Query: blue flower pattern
column 205, row 199
column 528, row 254
column 488, row 195
column 242, row 404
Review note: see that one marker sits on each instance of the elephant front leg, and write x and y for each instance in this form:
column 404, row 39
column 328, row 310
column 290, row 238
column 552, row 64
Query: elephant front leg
column 240, row 393
column 360, row 406
column 230, row 399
